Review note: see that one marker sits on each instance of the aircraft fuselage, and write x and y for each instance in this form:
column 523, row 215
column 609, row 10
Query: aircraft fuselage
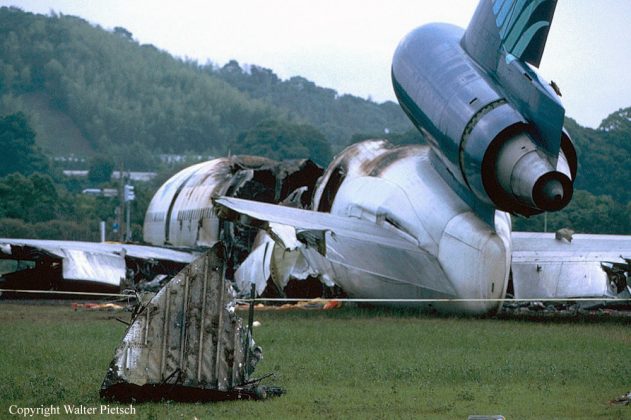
column 459, row 256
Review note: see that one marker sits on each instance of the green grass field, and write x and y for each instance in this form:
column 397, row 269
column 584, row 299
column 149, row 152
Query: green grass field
column 347, row 363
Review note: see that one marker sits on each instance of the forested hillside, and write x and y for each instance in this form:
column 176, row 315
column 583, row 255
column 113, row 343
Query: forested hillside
column 117, row 93
column 605, row 156
column 89, row 90
column 338, row 117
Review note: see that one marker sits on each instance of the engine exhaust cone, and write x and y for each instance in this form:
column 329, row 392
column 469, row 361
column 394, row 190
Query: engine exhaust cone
column 552, row 191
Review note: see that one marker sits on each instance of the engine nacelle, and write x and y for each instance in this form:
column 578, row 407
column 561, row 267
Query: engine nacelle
column 480, row 127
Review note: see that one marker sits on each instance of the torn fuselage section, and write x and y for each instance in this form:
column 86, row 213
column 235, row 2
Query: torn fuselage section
column 547, row 266
column 187, row 343
column 182, row 213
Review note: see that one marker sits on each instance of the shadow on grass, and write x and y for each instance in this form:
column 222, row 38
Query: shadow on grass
column 365, row 311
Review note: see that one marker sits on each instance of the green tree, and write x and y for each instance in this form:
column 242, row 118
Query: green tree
column 16, row 228
column 45, row 204
column 67, row 230
column 279, row 140
column 586, row 213
column 32, row 199
column 16, row 194
column 17, row 142
column 101, row 169
column 135, row 156
column 604, row 156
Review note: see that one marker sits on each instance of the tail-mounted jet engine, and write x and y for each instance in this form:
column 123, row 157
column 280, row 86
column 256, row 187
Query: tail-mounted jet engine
column 495, row 126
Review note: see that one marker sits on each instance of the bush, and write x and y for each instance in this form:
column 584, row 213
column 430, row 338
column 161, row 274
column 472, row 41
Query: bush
column 16, row 228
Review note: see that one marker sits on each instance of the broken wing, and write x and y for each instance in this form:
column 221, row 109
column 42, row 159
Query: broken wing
column 86, row 266
column 577, row 266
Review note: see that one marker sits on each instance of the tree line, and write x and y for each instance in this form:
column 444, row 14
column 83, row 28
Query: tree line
column 38, row 201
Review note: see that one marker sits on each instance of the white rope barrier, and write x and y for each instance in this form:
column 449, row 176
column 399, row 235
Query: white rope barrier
column 343, row 300
column 61, row 292
column 439, row 300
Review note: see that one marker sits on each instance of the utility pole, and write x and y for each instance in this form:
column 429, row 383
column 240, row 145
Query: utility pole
column 128, row 223
column 121, row 208
column 128, row 196
column 102, row 230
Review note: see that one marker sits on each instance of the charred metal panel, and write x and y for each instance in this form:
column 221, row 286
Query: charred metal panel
column 187, row 343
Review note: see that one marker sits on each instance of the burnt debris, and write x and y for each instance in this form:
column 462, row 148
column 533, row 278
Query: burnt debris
column 187, row 343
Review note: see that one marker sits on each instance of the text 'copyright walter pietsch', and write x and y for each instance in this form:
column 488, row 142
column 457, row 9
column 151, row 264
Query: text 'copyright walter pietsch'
column 71, row 410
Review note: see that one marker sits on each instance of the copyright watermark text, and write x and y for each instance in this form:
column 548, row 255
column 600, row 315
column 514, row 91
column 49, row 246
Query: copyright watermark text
column 70, row 410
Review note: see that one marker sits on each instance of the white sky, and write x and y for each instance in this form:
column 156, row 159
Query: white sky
column 347, row 45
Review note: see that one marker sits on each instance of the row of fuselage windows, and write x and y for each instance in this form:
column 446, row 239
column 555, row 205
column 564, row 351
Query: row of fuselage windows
column 182, row 215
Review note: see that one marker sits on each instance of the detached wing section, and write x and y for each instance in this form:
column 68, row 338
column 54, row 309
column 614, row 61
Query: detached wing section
column 546, row 265
column 73, row 265
column 336, row 249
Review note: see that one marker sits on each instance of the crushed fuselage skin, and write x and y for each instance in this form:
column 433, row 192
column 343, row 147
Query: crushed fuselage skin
column 186, row 343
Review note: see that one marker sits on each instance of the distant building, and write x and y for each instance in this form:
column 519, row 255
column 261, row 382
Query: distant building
column 173, row 159
column 132, row 176
column 98, row 192
column 76, row 174
column 135, row 176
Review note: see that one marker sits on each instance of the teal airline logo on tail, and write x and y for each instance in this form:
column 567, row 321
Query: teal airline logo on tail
column 519, row 21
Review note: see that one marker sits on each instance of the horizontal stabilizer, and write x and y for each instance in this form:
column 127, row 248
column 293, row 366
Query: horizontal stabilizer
column 316, row 221
column 334, row 246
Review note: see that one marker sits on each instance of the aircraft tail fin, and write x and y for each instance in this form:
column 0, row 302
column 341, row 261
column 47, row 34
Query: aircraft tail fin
column 517, row 27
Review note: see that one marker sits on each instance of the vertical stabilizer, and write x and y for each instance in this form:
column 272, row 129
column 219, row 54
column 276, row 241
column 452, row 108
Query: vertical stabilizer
column 516, row 27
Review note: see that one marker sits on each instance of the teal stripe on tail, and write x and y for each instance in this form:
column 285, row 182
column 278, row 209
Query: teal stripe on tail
column 509, row 27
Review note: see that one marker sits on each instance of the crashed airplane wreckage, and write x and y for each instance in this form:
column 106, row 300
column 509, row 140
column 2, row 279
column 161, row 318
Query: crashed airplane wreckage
column 187, row 343
column 377, row 223
column 295, row 249
column 180, row 223
column 430, row 224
